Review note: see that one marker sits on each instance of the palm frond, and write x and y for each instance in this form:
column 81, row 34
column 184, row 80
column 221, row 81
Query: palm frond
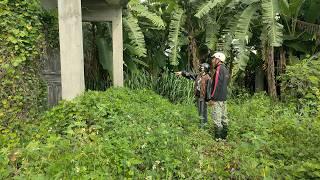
column 242, row 35
column 295, row 6
column 207, row 7
column 242, row 57
column 270, row 17
column 233, row 4
column 236, row 3
column 135, row 35
column 142, row 11
column 174, row 36
column 225, row 42
column 138, row 61
column 105, row 54
column 284, row 7
column 308, row 27
column 243, row 25
column 212, row 30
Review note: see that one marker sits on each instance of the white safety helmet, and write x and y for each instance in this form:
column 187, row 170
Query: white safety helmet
column 220, row 55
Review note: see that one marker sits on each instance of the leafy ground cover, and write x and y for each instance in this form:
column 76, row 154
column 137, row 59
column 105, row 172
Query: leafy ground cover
column 124, row 133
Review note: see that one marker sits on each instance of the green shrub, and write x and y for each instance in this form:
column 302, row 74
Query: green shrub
column 118, row 133
column 301, row 85
column 167, row 84
column 272, row 141
column 124, row 133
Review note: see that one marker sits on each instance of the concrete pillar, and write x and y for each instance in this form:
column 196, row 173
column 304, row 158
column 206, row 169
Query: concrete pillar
column 117, row 45
column 71, row 48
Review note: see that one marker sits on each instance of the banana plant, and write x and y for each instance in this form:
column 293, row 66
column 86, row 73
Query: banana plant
column 243, row 19
column 138, row 19
column 302, row 32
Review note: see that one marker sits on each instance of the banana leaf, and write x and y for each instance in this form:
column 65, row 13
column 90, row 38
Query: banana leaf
column 105, row 54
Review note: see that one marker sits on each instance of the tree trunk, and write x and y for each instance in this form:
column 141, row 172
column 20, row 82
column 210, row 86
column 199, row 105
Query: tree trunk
column 194, row 54
column 283, row 60
column 259, row 80
column 271, row 73
column 231, row 65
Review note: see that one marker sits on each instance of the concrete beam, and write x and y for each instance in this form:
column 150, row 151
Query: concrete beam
column 99, row 14
column 49, row 4
column 117, row 45
column 71, row 48
column 107, row 3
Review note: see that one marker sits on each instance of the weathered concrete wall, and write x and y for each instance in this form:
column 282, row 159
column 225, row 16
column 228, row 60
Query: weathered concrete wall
column 71, row 48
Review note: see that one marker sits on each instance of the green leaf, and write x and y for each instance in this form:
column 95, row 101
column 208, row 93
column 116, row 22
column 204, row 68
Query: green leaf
column 212, row 30
column 243, row 25
column 312, row 12
column 138, row 61
column 135, row 35
column 269, row 16
column 175, row 28
column 105, row 54
column 206, row 7
column 143, row 11
column 284, row 7
column 295, row 7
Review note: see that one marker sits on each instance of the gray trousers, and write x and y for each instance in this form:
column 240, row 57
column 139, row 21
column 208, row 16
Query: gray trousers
column 219, row 114
column 202, row 110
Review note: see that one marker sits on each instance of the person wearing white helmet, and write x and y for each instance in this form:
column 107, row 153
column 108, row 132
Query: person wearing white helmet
column 219, row 95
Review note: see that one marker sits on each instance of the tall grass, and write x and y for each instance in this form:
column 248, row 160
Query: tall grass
column 176, row 89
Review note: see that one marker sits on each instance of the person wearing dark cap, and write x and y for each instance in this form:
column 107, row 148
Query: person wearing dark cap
column 200, row 90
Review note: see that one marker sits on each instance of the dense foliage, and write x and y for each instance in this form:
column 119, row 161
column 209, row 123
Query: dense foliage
column 273, row 141
column 118, row 133
column 162, row 34
column 124, row 133
column 166, row 84
column 21, row 90
column 271, row 31
column 301, row 85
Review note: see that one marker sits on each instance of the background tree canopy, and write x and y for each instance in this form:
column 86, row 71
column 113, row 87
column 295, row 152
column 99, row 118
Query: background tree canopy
column 256, row 35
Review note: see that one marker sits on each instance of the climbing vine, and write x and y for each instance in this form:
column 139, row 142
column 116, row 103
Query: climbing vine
column 49, row 21
column 21, row 89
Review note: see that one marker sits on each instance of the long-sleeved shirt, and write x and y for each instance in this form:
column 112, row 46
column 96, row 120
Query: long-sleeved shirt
column 200, row 85
column 220, row 83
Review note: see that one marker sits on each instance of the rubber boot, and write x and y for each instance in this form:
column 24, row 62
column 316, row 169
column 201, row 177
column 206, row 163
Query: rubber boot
column 224, row 132
column 218, row 132
column 203, row 123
